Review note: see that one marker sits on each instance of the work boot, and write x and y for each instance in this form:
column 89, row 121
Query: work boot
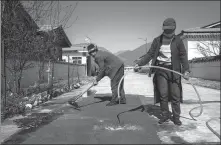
column 123, row 101
column 112, row 103
column 164, row 119
column 177, row 122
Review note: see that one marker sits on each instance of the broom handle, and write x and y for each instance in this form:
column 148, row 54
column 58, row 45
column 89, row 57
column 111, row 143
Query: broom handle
column 84, row 92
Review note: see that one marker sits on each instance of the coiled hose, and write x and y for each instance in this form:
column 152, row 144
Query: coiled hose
column 190, row 112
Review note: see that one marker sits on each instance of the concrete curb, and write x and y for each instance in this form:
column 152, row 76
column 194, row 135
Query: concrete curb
column 83, row 88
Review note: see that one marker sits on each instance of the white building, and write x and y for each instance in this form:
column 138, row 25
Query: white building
column 77, row 54
column 206, row 37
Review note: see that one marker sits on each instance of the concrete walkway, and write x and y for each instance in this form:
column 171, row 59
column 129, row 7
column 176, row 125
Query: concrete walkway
column 191, row 131
column 9, row 127
column 96, row 123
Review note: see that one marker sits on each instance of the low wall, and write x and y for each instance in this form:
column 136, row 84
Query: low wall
column 30, row 76
column 206, row 70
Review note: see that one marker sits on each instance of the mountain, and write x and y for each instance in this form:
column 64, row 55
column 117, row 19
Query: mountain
column 84, row 46
column 103, row 49
column 119, row 52
column 129, row 56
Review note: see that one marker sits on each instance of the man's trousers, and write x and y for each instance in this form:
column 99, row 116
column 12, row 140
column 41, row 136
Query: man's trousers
column 114, row 85
column 168, row 86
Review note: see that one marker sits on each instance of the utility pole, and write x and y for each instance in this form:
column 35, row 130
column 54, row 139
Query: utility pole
column 145, row 42
column 68, row 73
column 4, row 85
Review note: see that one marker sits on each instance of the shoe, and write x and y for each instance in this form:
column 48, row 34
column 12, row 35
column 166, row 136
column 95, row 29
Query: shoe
column 123, row 101
column 177, row 122
column 112, row 103
column 164, row 119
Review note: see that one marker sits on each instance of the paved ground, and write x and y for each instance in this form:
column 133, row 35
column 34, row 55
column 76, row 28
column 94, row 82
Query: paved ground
column 98, row 124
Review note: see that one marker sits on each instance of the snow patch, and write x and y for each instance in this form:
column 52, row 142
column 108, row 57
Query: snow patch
column 118, row 127
column 45, row 111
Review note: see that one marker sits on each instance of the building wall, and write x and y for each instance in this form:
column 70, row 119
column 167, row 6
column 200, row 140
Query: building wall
column 192, row 48
column 30, row 76
column 83, row 58
column 191, row 45
column 206, row 70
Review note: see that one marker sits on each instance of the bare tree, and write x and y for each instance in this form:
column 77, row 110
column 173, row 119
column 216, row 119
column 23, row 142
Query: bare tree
column 22, row 44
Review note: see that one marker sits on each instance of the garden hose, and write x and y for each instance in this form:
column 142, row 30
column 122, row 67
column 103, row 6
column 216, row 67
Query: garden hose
column 190, row 112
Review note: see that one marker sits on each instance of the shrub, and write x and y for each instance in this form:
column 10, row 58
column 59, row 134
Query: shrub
column 14, row 105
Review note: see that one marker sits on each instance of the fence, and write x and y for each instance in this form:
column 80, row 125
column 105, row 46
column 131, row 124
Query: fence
column 209, row 70
column 30, row 76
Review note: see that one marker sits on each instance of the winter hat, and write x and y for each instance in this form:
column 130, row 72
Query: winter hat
column 91, row 48
column 169, row 23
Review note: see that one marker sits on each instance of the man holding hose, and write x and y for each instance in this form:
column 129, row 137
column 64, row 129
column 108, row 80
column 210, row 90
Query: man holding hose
column 111, row 66
column 168, row 51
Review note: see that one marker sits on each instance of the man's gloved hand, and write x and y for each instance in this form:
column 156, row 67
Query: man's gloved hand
column 137, row 66
column 186, row 75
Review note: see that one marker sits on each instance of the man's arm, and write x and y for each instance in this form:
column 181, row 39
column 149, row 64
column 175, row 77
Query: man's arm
column 101, row 72
column 149, row 55
column 183, row 57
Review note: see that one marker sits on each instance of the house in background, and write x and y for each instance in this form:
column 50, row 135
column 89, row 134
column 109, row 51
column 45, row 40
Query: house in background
column 194, row 38
column 77, row 54
column 203, row 64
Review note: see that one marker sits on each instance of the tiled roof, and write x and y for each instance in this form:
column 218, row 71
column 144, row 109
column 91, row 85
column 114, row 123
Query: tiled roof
column 212, row 25
column 205, row 30
column 202, row 30
column 62, row 40
column 74, row 48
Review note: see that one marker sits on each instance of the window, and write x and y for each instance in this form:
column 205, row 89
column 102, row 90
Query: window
column 77, row 60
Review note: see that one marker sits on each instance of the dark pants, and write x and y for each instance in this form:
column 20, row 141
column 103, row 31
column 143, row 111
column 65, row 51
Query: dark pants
column 114, row 85
column 167, row 87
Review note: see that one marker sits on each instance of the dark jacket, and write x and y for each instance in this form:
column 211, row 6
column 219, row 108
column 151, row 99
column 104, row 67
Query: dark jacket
column 178, row 53
column 108, row 64
column 179, row 60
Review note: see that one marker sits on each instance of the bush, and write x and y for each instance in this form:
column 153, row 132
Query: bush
column 14, row 105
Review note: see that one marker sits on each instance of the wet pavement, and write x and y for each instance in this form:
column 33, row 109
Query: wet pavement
column 95, row 123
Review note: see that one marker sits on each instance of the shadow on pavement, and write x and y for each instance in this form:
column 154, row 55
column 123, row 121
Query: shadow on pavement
column 178, row 140
column 30, row 124
column 101, row 97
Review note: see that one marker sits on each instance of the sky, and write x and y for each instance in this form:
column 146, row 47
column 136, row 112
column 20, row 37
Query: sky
column 117, row 25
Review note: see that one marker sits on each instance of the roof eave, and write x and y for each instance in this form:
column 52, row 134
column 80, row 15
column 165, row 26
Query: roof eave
column 201, row 32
